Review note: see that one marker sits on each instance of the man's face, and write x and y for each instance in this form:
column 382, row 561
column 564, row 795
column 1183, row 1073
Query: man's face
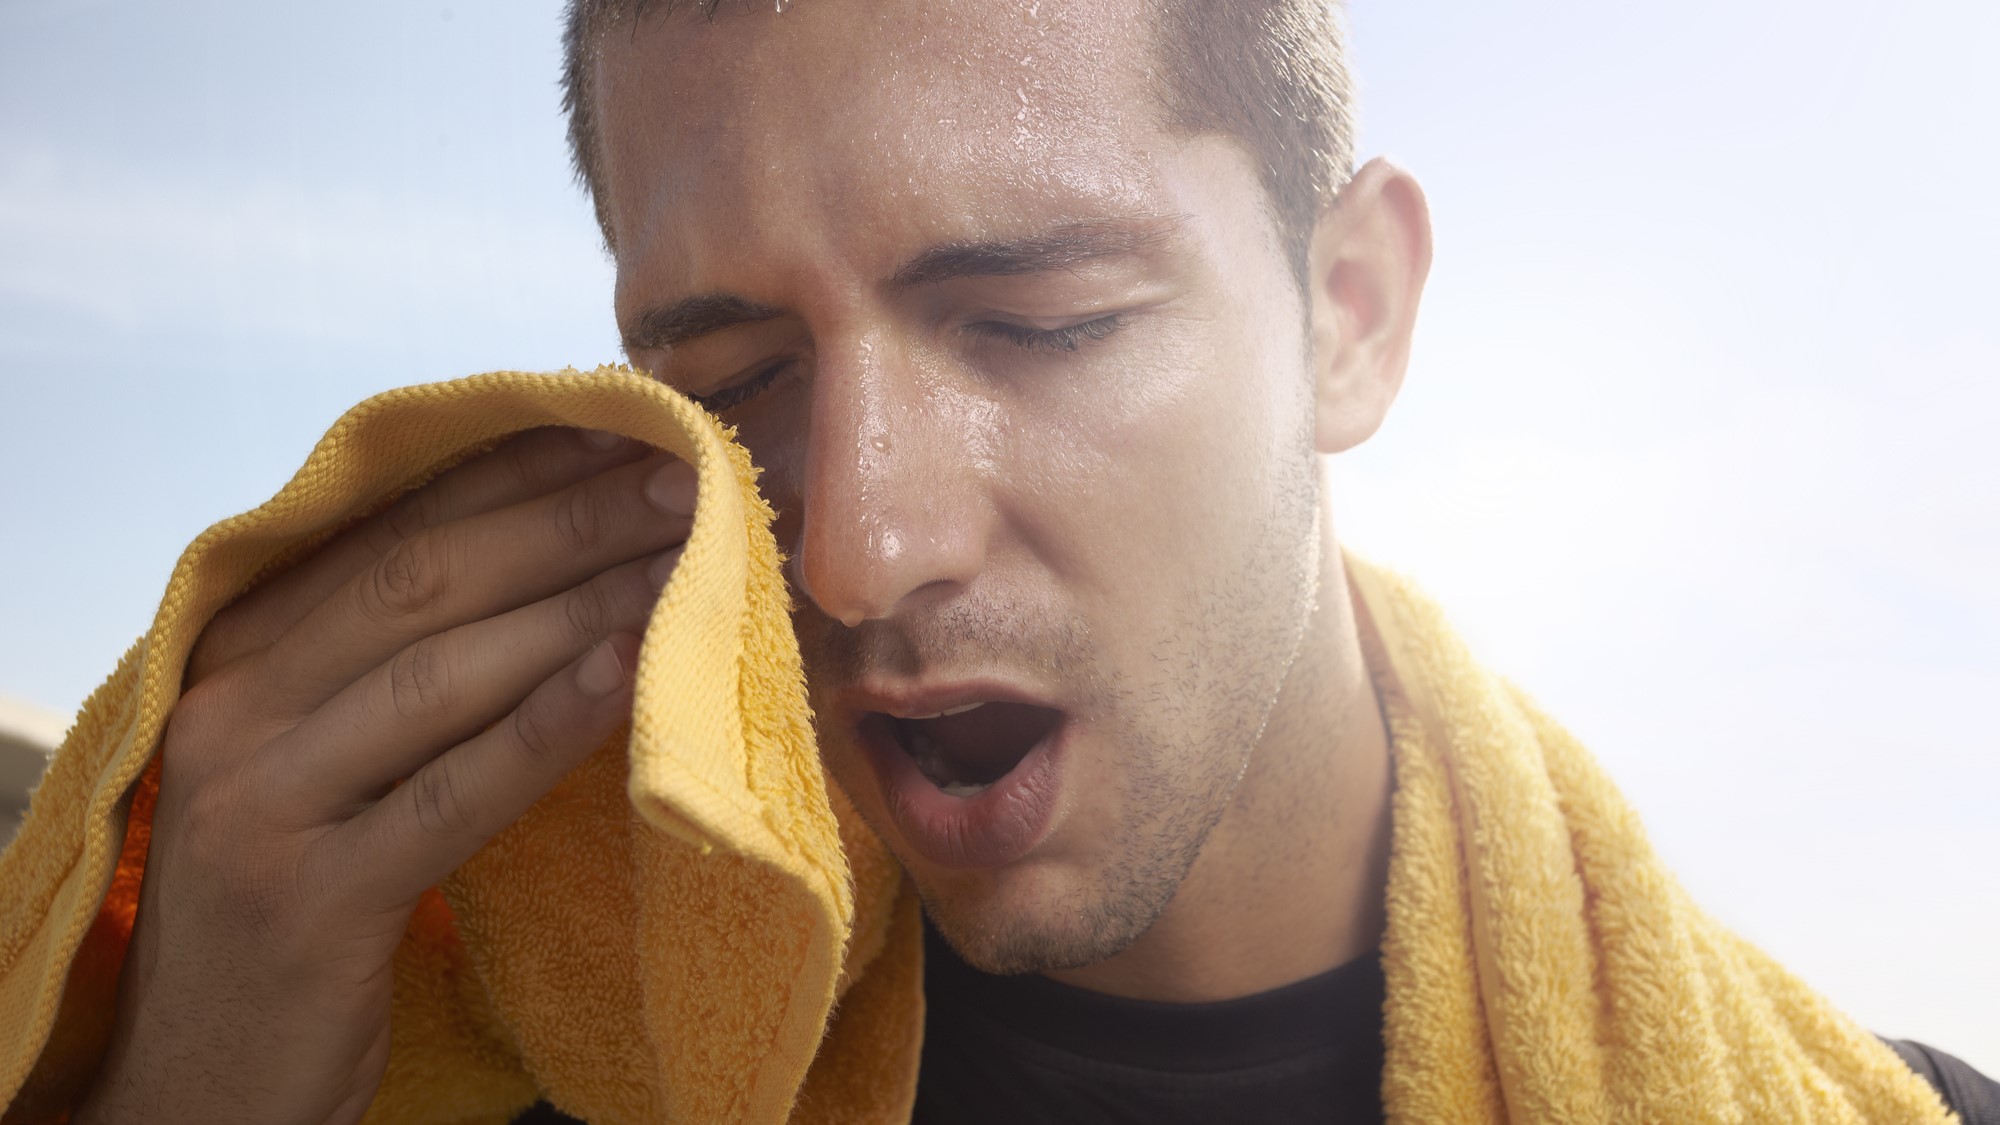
column 1026, row 377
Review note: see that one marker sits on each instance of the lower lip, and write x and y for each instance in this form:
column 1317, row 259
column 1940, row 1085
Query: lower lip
column 992, row 828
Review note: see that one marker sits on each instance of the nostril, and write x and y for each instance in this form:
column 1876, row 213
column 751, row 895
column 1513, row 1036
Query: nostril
column 858, row 562
column 796, row 574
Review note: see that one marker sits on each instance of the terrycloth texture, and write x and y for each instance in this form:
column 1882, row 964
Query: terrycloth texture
column 1542, row 964
column 664, row 937
column 661, row 938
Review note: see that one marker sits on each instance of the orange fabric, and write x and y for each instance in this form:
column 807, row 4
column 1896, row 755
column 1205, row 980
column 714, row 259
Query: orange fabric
column 662, row 938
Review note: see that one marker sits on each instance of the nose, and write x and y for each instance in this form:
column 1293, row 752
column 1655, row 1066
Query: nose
column 893, row 509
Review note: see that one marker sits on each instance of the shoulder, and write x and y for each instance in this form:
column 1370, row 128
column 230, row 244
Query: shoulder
column 1970, row 1094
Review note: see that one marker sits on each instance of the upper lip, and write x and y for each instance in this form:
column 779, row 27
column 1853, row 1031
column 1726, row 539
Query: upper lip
column 906, row 701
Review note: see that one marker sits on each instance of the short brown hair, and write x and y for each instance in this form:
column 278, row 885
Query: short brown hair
column 1270, row 73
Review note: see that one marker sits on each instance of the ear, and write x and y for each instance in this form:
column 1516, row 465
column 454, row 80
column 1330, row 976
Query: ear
column 1371, row 251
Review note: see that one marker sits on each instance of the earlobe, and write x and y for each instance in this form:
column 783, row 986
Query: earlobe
column 1370, row 255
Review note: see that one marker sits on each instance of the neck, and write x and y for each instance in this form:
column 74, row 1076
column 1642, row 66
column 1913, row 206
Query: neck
column 1291, row 881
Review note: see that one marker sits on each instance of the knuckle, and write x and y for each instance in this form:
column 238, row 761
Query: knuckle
column 206, row 724
column 536, row 730
column 194, row 717
column 520, row 460
column 411, row 577
column 386, row 532
column 412, row 515
column 208, row 823
column 420, row 679
column 579, row 521
column 226, row 637
column 588, row 611
column 437, row 797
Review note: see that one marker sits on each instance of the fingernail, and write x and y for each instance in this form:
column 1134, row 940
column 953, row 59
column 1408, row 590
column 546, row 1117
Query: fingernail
column 602, row 439
column 672, row 488
column 662, row 568
column 601, row 673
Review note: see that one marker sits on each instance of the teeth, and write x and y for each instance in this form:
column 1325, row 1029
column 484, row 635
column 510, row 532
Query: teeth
column 943, row 713
column 964, row 788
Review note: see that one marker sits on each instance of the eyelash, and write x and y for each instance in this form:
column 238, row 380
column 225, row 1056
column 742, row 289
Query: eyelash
column 716, row 402
column 1067, row 339
column 1045, row 340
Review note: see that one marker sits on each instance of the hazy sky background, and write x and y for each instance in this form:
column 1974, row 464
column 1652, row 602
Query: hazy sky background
column 1696, row 444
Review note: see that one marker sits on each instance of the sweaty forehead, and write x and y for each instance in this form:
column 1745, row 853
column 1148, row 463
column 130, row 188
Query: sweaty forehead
column 867, row 129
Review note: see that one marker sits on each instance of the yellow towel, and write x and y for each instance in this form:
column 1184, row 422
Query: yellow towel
column 661, row 938
column 666, row 936
column 1542, row 964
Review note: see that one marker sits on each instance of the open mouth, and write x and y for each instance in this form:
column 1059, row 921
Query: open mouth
column 965, row 749
column 974, row 785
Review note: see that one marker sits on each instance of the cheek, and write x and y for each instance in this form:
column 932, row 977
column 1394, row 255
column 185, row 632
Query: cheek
column 1150, row 476
column 774, row 431
column 1130, row 482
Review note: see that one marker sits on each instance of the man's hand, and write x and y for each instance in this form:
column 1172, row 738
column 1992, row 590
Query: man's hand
column 351, row 732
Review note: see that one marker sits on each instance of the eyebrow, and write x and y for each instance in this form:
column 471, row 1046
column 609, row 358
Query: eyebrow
column 1062, row 247
column 663, row 326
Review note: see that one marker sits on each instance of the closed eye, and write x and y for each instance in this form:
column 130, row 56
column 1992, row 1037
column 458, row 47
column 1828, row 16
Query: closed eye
column 1065, row 339
column 717, row 401
column 1046, row 340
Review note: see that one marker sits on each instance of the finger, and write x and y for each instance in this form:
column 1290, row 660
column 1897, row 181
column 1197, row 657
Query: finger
column 477, row 568
column 525, row 466
column 443, row 690
column 425, row 828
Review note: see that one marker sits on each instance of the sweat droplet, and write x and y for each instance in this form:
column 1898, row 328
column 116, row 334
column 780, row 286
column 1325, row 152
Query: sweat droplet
column 782, row 5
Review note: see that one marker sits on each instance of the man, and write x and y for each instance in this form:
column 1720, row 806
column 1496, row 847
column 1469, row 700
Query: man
column 1037, row 318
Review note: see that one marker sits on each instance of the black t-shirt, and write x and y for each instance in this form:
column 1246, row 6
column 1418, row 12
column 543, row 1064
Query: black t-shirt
column 1022, row 1050
column 1026, row 1049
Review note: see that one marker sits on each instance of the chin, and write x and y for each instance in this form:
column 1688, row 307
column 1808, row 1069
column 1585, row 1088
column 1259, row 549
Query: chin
column 1037, row 918
column 1092, row 886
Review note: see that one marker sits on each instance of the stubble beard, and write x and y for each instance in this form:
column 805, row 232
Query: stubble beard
column 1182, row 739
column 1182, row 742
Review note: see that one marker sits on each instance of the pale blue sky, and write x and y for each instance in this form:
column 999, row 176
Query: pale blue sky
column 1696, row 442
